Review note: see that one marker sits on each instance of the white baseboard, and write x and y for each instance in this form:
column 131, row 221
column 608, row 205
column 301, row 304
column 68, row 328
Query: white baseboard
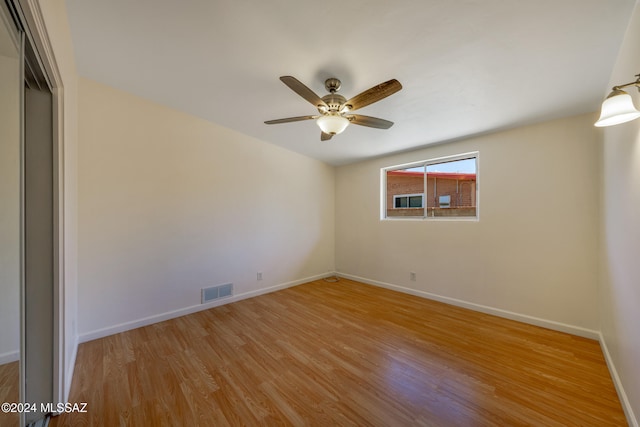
column 624, row 400
column 69, row 370
column 549, row 324
column 10, row 356
column 100, row 333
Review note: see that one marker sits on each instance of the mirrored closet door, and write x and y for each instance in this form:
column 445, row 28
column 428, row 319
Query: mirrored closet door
column 10, row 210
column 27, row 224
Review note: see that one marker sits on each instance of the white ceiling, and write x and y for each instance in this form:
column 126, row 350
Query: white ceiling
column 467, row 67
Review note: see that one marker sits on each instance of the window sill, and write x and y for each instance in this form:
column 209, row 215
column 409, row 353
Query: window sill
column 428, row 219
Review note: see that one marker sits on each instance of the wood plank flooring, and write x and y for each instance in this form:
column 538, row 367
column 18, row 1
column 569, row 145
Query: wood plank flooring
column 9, row 392
column 347, row 354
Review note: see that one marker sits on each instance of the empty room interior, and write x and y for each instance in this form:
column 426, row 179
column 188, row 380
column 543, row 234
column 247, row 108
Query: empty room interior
column 334, row 213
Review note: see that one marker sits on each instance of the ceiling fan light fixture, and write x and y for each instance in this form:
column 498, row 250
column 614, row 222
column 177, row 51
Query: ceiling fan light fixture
column 333, row 107
column 617, row 108
column 332, row 124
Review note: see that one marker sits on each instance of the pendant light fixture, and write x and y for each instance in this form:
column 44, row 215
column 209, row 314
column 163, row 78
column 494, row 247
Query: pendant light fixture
column 618, row 106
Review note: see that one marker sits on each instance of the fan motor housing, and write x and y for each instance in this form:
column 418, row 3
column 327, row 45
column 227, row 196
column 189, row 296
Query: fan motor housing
column 334, row 101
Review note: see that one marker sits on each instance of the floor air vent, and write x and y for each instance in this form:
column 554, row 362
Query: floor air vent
column 217, row 292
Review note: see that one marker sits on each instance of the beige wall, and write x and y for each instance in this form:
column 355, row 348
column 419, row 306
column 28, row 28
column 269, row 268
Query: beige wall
column 169, row 203
column 532, row 253
column 620, row 257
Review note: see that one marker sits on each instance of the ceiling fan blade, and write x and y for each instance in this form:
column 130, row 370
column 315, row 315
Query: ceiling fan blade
column 299, row 88
column 289, row 119
column 372, row 122
column 374, row 94
column 325, row 136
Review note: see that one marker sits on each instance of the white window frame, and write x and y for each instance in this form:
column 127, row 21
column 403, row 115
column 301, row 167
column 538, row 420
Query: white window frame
column 408, row 196
column 425, row 164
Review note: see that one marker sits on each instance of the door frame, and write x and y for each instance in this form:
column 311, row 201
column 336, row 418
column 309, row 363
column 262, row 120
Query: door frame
column 31, row 16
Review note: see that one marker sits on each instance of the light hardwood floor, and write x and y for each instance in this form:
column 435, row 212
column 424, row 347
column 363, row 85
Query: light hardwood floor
column 9, row 392
column 345, row 354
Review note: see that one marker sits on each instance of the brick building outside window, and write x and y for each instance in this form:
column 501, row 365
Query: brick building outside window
column 449, row 194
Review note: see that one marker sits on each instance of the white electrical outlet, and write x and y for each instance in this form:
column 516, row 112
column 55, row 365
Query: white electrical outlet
column 412, row 276
column 259, row 275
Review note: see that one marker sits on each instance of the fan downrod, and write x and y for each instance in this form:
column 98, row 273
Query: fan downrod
column 332, row 85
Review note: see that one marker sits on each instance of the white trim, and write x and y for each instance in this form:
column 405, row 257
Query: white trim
column 624, row 400
column 59, row 311
column 34, row 22
column 10, row 356
column 383, row 194
column 531, row 320
column 23, row 351
column 37, row 31
column 68, row 372
column 443, row 159
column 122, row 327
column 425, row 163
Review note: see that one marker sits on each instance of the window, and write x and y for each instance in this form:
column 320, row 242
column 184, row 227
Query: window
column 408, row 201
column 438, row 188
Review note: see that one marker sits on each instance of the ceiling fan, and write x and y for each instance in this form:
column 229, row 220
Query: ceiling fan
column 335, row 110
